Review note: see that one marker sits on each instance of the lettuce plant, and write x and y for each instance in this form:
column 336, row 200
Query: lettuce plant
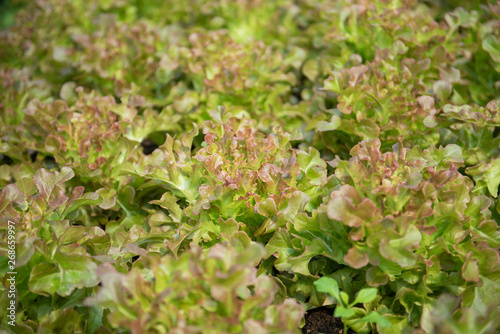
column 204, row 166
column 355, row 316
column 200, row 292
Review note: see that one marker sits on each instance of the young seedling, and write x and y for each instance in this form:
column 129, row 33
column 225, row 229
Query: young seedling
column 346, row 311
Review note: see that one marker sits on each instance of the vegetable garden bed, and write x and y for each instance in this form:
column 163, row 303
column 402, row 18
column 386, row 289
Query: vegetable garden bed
column 288, row 166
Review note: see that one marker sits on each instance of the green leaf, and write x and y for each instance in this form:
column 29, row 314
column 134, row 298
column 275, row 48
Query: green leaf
column 76, row 201
column 11, row 193
column 343, row 207
column 329, row 126
column 492, row 46
column 46, row 181
column 356, row 258
column 96, row 314
column 295, row 204
column 375, row 317
column 44, row 278
column 71, row 270
column 313, row 166
column 345, row 298
column 27, row 186
column 400, row 248
column 330, row 286
column 108, row 198
column 266, row 208
column 442, row 90
column 342, row 312
column 169, row 202
column 281, row 245
column 487, row 174
column 311, row 70
column 365, row 296
column 60, row 321
column 376, row 277
column 461, row 17
column 470, row 269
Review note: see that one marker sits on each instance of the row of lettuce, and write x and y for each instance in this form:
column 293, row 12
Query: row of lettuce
column 358, row 142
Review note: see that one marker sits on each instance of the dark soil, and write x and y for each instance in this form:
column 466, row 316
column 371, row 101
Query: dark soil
column 148, row 146
column 321, row 320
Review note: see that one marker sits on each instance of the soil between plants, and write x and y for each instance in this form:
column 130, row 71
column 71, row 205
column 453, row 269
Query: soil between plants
column 321, row 320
